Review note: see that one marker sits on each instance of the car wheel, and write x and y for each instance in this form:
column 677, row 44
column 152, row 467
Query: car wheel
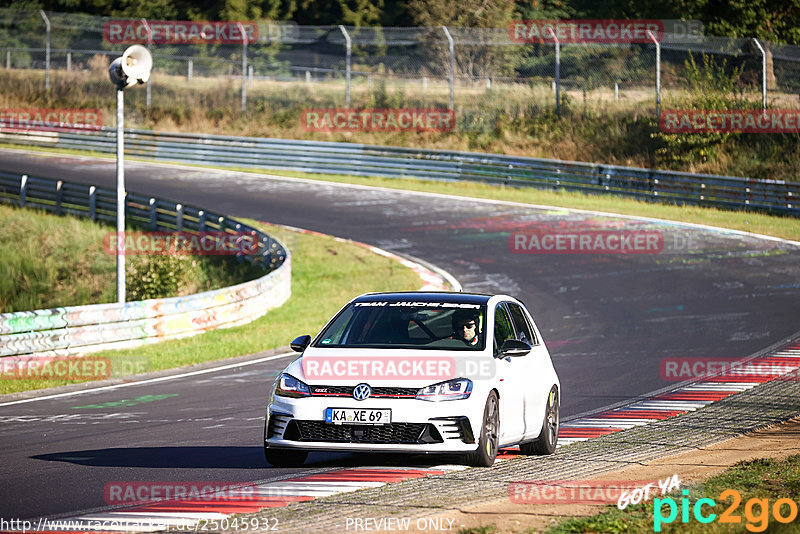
column 490, row 429
column 548, row 437
column 285, row 457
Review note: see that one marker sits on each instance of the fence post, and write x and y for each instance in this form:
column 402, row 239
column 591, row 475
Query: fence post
column 59, row 196
column 348, row 44
column 153, row 215
column 23, row 190
column 93, row 203
column 763, row 74
column 149, row 49
column 658, row 73
column 69, row 61
column 452, row 53
column 179, row 217
column 47, row 51
column 244, row 65
column 189, row 70
column 558, row 70
column 201, row 223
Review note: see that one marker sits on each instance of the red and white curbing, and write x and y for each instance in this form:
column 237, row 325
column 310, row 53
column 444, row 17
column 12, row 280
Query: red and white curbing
column 785, row 361
column 180, row 513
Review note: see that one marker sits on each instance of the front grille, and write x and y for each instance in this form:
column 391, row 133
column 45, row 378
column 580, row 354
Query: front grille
column 377, row 392
column 400, row 433
column 277, row 424
column 394, row 392
column 456, row 428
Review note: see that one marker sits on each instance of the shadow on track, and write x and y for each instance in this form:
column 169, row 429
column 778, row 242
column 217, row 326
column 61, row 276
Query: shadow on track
column 218, row 457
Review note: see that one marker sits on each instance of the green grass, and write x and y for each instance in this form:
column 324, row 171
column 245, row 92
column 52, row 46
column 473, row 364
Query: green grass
column 756, row 479
column 50, row 261
column 326, row 273
column 61, row 261
column 510, row 118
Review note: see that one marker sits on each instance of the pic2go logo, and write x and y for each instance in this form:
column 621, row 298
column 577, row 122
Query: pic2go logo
column 756, row 511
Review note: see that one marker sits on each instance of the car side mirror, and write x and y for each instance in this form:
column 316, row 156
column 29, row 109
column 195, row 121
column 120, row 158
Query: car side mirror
column 514, row 347
column 299, row 344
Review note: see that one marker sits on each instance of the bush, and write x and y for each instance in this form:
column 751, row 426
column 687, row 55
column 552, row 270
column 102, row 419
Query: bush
column 707, row 88
column 152, row 277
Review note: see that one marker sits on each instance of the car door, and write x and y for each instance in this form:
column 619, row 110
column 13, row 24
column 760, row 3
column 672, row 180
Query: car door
column 512, row 420
column 530, row 367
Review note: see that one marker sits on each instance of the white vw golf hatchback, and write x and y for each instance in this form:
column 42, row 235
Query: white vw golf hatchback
column 417, row 373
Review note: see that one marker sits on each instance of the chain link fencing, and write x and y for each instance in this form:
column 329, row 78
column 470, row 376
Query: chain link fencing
column 485, row 76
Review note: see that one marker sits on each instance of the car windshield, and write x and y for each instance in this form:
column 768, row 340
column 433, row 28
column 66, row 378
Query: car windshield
column 423, row 325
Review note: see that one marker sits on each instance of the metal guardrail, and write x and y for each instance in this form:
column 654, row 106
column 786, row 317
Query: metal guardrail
column 79, row 329
column 727, row 192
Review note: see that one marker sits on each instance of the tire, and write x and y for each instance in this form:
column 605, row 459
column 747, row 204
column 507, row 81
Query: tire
column 548, row 437
column 486, row 452
column 285, row 457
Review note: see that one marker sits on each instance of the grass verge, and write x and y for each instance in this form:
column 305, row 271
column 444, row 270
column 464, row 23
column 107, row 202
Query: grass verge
column 764, row 480
column 326, row 273
column 41, row 272
column 63, row 262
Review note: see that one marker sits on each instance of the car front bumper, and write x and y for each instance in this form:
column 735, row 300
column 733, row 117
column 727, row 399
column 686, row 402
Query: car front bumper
column 417, row 426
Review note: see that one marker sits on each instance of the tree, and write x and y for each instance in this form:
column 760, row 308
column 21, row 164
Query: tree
column 464, row 13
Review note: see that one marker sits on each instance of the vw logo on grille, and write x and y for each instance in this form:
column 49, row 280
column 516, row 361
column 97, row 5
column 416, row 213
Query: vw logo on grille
column 361, row 392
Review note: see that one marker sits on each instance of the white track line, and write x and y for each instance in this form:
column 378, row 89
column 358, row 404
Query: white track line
column 150, row 380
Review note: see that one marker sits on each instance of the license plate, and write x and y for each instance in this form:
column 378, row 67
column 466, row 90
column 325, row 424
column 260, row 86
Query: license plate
column 358, row 416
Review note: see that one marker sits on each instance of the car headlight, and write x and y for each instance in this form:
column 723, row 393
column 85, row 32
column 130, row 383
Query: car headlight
column 456, row 389
column 289, row 386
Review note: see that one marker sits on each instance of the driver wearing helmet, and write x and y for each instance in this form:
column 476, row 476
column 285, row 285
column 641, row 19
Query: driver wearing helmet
column 465, row 326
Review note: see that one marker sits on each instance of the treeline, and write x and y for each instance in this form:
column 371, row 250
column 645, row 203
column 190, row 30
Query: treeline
column 772, row 20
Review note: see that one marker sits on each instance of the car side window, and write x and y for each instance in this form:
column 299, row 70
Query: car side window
column 503, row 329
column 524, row 329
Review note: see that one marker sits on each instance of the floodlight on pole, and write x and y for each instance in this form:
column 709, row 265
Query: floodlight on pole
column 132, row 68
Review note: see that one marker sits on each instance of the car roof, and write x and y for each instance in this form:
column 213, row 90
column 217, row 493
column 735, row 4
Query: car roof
column 425, row 296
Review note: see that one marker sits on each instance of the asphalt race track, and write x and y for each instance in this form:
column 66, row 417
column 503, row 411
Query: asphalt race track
column 609, row 319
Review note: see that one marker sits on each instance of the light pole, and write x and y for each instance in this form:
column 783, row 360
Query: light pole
column 132, row 68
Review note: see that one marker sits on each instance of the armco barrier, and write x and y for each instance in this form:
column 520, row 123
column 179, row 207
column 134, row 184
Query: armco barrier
column 395, row 162
column 81, row 329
